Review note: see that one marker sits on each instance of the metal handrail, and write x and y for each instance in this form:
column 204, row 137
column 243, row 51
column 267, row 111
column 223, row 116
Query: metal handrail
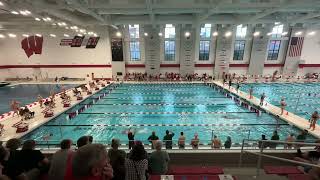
column 262, row 147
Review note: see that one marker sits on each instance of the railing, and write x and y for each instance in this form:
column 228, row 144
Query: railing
column 263, row 146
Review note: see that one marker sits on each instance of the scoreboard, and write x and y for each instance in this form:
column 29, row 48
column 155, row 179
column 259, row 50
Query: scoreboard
column 79, row 41
column 92, row 42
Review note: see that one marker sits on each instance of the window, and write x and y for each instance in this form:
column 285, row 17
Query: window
column 169, row 43
column 241, row 31
column 134, row 50
column 204, row 50
column 238, row 49
column 169, row 31
column 134, row 42
column 277, row 31
column 273, row 49
column 169, row 50
column 205, row 31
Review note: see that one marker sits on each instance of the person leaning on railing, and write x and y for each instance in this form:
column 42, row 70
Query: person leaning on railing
column 181, row 141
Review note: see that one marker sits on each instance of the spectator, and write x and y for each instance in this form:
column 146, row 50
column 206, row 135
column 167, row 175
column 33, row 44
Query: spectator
column 83, row 140
column 136, row 165
column 4, row 156
column 59, row 160
column 309, row 157
column 228, row 143
column 117, row 159
column 301, row 138
column 195, row 141
column 216, row 142
column 130, row 138
column 13, row 144
column 10, row 166
column 152, row 139
column 181, row 141
column 159, row 160
column 274, row 137
column 32, row 161
column 90, row 162
column 263, row 144
column 290, row 138
column 168, row 139
column 90, row 139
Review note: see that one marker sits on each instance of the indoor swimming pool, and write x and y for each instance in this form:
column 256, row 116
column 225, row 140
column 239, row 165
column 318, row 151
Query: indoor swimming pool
column 143, row 108
column 301, row 98
column 26, row 93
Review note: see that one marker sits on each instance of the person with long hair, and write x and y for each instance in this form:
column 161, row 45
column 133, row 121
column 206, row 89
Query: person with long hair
column 137, row 164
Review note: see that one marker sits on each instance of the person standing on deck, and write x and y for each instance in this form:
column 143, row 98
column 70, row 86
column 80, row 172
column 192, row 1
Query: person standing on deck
column 250, row 92
column 152, row 139
column 230, row 83
column 238, row 87
column 283, row 105
column 263, row 96
column 40, row 100
column 168, row 139
column 313, row 120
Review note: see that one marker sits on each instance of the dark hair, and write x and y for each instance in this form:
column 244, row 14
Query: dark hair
column 167, row 131
column 90, row 139
column 138, row 153
column 83, row 140
column 13, row 144
column 263, row 136
column 29, row 144
column 3, row 153
column 65, row 144
column 181, row 133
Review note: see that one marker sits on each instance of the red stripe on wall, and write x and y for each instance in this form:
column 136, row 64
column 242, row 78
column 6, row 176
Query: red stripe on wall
column 57, row 66
column 238, row 65
column 308, row 65
column 135, row 65
column 273, row 65
column 204, row 65
column 169, row 65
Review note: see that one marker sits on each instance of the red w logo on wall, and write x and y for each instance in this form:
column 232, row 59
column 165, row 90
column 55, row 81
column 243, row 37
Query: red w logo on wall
column 32, row 45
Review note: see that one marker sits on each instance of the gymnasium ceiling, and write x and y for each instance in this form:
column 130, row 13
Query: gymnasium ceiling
column 93, row 13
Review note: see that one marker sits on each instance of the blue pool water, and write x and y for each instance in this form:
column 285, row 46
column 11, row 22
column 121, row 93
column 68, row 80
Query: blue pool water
column 191, row 108
column 301, row 98
column 26, row 93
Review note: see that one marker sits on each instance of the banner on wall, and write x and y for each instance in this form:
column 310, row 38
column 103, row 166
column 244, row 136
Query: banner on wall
column 79, row 41
column 32, row 45
column 117, row 49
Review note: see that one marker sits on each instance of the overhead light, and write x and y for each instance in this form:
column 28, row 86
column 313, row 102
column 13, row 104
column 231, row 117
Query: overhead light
column 311, row 33
column 25, row 12
column 53, row 35
column 284, row 33
column 257, row 33
column 277, row 23
column 228, row 33
column 82, row 30
column 79, row 35
column 145, row 34
column 118, row 34
column 25, row 35
column 95, row 35
column 66, row 35
column 187, row 34
column 77, row 30
column 14, row 12
column 12, row 35
column 39, row 35
column 2, row 36
column 47, row 19
column 90, row 32
column 37, row 19
column 215, row 33
column 1, row 4
column 298, row 33
column 269, row 33
column 160, row 34
column 73, row 27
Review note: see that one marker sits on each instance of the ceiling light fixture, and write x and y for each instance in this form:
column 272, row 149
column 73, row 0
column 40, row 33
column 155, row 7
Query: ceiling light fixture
column 257, row 33
column 12, row 35
column 284, row 33
column 145, row 34
column 2, row 36
column 90, row 32
column 14, row 12
column 95, row 35
column 118, row 34
column 160, row 34
column 187, row 34
column 79, row 35
column 66, row 35
column 82, row 30
column 269, row 33
column 215, row 33
column 298, row 33
column 277, row 23
column 39, row 35
column 228, row 33
column 311, row 33
column 1, row 4
column 25, row 35
column 53, row 35
column 37, row 19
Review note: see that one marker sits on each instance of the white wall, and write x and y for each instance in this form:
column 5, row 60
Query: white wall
column 311, row 49
column 11, row 53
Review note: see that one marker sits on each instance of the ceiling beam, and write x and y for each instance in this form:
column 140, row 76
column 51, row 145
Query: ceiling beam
column 151, row 13
column 306, row 17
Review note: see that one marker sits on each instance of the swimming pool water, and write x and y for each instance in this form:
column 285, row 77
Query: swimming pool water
column 26, row 93
column 191, row 108
column 301, row 98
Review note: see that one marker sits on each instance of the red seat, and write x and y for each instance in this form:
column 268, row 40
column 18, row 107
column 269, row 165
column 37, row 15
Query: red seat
column 282, row 170
column 181, row 170
column 299, row 177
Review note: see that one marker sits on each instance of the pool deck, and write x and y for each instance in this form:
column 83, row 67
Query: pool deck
column 38, row 120
column 291, row 118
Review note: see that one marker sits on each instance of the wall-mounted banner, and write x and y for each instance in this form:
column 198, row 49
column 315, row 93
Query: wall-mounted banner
column 117, row 49
column 32, row 45
column 79, row 41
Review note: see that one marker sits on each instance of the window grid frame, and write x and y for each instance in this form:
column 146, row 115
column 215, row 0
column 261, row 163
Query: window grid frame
column 273, row 53
column 238, row 53
column 204, row 54
column 170, row 53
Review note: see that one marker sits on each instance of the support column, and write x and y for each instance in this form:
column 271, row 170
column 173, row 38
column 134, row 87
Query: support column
column 187, row 54
column 152, row 50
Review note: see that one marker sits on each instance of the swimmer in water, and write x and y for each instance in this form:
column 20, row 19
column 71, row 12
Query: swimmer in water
column 47, row 137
